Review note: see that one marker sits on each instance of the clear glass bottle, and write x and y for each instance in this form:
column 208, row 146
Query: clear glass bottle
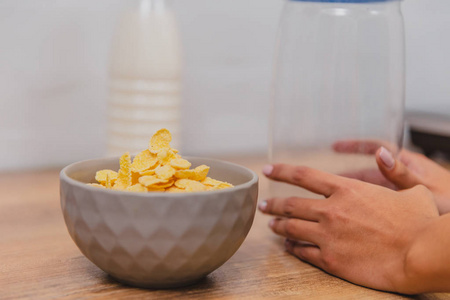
column 145, row 71
column 339, row 76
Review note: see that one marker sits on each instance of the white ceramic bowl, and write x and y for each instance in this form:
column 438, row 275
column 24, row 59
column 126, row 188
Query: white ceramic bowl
column 158, row 240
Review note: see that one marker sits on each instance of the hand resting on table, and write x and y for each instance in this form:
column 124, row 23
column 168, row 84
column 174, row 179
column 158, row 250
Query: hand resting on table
column 366, row 233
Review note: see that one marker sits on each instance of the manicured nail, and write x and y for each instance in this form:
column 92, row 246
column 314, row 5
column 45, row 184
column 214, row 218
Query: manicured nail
column 263, row 205
column 267, row 170
column 272, row 223
column 387, row 158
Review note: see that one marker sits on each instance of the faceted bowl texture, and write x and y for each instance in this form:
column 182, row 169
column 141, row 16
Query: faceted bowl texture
column 158, row 240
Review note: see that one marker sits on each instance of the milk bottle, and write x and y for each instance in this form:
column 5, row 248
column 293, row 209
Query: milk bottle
column 144, row 83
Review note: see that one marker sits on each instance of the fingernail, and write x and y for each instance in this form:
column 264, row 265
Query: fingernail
column 387, row 158
column 263, row 205
column 272, row 223
column 267, row 170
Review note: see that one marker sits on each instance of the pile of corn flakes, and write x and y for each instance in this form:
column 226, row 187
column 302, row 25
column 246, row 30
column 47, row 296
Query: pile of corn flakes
column 158, row 169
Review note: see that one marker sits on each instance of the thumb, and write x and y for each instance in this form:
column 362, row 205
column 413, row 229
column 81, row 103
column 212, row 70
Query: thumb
column 395, row 171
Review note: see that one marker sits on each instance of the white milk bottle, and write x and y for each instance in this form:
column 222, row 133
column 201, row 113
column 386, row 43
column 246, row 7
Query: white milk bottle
column 145, row 71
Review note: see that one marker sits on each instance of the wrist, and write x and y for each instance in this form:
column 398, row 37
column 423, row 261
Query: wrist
column 424, row 265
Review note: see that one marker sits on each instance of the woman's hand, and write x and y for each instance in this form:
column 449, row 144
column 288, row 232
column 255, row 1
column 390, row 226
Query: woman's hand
column 360, row 232
column 407, row 171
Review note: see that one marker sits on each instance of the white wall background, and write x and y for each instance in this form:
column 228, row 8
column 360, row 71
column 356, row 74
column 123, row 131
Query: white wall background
column 53, row 74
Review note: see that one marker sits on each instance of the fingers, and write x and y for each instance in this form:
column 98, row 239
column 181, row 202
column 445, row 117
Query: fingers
column 359, row 146
column 311, row 179
column 305, row 252
column 294, row 207
column 395, row 171
column 296, row 229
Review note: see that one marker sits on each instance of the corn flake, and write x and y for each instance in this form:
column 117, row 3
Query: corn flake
column 174, row 189
column 108, row 183
column 201, row 172
column 214, row 184
column 144, row 161
column 137, row 188
column 151, row 180
column 156, row 190
column 160, row 140
column 96, row 185
column 135, row 177
column 221, row 186
column 165, row 156
column 180, row 163
column 147, row 172
column 185, row 174
column 164, row 172
column 190, row 185
column 162, row 185
column 101, row 176
column 124, row 176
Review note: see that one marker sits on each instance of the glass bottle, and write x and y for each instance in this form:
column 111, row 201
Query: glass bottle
column 339, row 80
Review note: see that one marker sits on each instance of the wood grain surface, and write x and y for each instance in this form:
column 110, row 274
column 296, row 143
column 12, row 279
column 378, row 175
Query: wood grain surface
column 38, row 259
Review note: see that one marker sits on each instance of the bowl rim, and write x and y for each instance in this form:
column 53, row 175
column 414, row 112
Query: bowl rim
column 63, row 176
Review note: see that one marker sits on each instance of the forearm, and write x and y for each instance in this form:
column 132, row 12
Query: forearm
column 427, row 265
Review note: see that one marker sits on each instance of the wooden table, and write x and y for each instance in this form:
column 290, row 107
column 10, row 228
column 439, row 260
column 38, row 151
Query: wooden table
column 38, row 259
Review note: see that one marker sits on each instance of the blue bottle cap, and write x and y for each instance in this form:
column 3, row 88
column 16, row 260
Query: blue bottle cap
column 344, row 1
